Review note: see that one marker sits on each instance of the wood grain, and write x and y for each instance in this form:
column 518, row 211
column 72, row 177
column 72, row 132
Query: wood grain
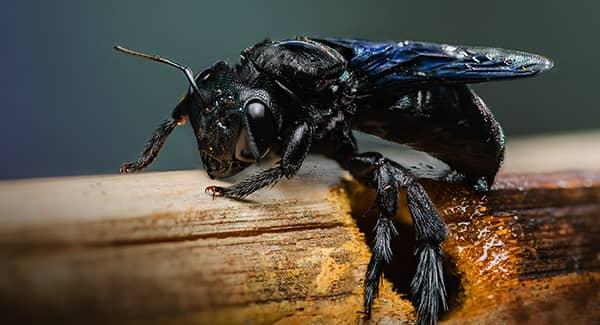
column 154, row 248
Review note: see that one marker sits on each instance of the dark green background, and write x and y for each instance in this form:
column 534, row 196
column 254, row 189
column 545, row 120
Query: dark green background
column 70, row 105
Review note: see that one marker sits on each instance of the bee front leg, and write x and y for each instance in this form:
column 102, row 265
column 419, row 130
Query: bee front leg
column 387, row 176
column 296, row 149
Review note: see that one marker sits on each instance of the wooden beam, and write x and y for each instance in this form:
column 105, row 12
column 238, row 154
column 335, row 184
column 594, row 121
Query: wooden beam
column 154, row 248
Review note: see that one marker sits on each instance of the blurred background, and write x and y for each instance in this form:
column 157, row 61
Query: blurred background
column 71, row 105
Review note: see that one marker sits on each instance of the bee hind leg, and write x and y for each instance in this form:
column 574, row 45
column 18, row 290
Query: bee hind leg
column 387, row 177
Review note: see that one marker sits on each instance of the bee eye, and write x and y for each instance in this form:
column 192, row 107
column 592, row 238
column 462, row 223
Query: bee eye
column 256, row 138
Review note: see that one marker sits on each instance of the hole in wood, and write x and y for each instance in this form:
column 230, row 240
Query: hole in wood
column 404, row 264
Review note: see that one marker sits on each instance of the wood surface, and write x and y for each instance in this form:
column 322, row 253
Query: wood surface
column 154, row 248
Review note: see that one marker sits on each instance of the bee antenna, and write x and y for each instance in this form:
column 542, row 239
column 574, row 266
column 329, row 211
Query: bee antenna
column 187, row 71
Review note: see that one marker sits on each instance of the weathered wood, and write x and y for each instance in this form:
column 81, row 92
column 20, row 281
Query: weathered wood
column 527, row 252
column 154, row 248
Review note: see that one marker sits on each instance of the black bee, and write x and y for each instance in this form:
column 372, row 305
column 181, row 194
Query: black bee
column 306, row 95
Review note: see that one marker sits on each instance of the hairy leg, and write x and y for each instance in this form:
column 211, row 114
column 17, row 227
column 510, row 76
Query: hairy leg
column 387, row 177
column 381, row 177
column 296, row 150
column 153, row 146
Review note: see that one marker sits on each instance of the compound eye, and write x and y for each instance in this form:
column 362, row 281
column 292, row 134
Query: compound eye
column 260, row 123
column 256, row 139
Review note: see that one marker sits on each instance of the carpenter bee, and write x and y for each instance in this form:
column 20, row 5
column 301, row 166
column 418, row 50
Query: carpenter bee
column 304, row 95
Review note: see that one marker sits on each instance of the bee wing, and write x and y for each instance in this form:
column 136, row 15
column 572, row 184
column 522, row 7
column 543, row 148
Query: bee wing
column 410, row 64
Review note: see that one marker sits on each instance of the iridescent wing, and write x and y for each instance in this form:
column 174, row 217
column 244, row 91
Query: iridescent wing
column 414, row 64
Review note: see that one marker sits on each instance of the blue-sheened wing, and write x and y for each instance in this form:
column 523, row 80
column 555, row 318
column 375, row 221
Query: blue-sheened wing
column 410, row 64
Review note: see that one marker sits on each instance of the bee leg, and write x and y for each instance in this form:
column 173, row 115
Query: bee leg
column 152, row 147
column 248, row 185
column 296, row 150
column 480, row 184
column 387, row 176
column 387, row 201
